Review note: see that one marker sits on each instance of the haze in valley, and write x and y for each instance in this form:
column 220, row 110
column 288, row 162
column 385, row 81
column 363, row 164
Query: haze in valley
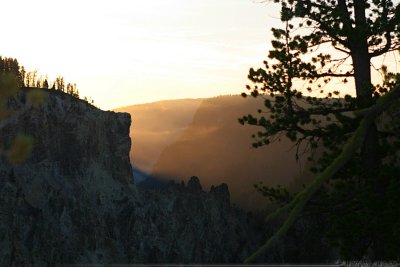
column 178, row 139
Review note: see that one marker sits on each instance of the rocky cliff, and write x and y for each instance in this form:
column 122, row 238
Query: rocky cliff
column 73, row 201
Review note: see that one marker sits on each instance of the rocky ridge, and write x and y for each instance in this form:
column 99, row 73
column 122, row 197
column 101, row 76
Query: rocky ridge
column 74, row 202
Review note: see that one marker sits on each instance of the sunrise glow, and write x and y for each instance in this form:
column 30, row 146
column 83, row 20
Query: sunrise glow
column 126, row 52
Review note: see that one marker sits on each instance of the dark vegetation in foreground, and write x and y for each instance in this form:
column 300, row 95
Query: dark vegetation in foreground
column 72, row 200
column 321, row 45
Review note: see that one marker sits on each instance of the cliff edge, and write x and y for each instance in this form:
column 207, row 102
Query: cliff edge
column 74, row 202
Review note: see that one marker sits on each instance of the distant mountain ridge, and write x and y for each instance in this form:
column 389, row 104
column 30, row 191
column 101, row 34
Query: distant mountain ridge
column 156, row 125
column 215, row 147
column 73, row 201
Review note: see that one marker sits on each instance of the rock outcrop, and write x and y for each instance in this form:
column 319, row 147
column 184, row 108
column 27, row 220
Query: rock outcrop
column 74, row 202
column 182, row 225
column 62, row 204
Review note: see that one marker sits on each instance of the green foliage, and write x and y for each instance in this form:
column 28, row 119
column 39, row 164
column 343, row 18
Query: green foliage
column 277, row 194
column 11, row 66
column 370, row 219
column 21, row 149
column 22, row 145
column 362, row 217
column 12, row 78
column 302, row 104
column 33, row 80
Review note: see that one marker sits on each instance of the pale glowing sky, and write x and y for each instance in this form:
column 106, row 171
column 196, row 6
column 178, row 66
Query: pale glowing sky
column 123, row 52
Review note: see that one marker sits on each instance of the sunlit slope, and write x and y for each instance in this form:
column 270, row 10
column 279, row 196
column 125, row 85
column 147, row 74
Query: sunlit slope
column 156, row 125
column 216, row 148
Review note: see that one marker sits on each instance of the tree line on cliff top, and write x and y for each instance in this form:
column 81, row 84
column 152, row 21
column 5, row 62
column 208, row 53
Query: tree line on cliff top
column 13, row 77
column 32, row 79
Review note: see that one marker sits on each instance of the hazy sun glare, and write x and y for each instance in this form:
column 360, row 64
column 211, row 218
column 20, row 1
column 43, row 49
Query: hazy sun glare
column 125, row 52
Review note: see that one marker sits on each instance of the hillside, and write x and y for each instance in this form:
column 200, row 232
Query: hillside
column 155, row 126
column 72, row 202
column 211, row 144
column 216, row 148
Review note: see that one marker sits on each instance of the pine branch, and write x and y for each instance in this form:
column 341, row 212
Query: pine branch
column 353, row 145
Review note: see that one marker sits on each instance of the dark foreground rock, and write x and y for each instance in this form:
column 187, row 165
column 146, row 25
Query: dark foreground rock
column 73, row 201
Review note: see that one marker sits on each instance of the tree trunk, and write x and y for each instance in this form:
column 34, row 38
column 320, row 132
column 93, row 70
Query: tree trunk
column 362, row 75
column 360, row 56
column 370, row 151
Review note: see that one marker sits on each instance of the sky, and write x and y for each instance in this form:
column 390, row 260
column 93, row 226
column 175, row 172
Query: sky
column 125, row 52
